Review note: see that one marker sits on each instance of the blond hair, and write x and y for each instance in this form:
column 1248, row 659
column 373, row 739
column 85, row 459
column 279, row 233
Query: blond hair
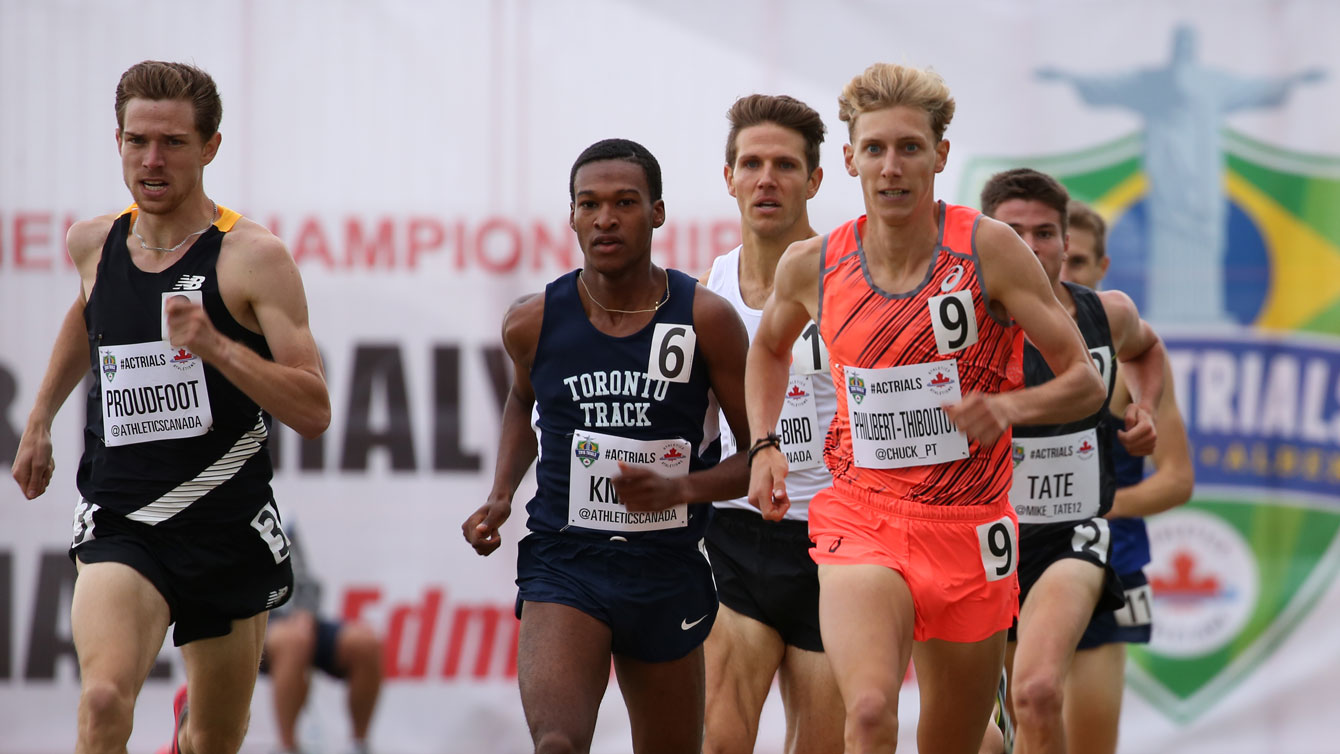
column 885, row 85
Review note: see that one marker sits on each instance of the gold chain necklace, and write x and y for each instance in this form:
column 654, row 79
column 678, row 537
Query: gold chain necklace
column 664, row 300
column 134, row 228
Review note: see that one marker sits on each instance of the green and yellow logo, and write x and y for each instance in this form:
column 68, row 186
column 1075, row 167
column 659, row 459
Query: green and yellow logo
column 1231, row 247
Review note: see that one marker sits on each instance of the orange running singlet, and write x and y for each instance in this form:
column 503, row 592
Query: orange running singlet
column 897, row 357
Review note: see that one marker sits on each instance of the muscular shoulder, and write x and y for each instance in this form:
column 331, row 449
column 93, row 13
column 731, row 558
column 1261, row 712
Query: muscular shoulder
column 1008, row 268
column 997, row 244
column 86, row 237
column 254, row 244
column 720, row 330
column 798, row 269
column 521, row 327
column 1118, row 306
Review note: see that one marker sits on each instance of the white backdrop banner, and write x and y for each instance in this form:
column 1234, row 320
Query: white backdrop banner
column 414, row 157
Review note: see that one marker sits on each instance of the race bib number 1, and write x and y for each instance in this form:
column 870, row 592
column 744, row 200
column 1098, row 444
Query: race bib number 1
column 809, row 355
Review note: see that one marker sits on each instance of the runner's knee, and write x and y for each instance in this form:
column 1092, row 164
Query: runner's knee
column 872, row 710
column 556, row 742
column 1036, row 697
column 106, row 704
column 221, row 738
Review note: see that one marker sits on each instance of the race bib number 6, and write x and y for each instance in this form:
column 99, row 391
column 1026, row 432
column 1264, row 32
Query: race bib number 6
column 672, row 347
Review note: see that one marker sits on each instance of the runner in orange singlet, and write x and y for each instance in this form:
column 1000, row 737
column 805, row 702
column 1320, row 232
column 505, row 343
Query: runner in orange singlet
column 917, row 302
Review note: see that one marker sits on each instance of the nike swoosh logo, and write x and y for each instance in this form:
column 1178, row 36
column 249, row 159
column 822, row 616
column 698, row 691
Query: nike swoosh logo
column 684, row 625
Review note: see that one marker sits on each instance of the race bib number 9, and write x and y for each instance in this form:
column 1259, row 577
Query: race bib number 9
column 1000, row 548
column 896, row 417
column 152, row 391
column 592, row 501
column 954, row 321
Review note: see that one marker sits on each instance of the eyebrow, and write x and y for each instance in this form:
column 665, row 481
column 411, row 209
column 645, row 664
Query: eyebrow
column 182, row 135
column 633, row 191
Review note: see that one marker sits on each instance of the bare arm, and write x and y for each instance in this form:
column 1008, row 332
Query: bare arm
column 33, row 463
column 69, row 362
column 1143, row 364
column 292, row 388
column 794, row 303
column 517, row 447
column 1174, row 477
column 1016, row 280
column 723, row 341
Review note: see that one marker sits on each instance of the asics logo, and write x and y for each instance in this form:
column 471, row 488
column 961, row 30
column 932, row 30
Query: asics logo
column 189, row 283
column 685, row 625
column 951, row 281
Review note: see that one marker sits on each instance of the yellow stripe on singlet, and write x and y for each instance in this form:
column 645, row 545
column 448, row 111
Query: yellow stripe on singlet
column 227, row 217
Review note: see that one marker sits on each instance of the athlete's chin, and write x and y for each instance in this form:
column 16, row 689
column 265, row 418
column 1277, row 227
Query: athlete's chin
column 155, row 205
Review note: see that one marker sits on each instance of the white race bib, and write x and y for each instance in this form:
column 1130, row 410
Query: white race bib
column 895, row 415
column 152, row 391
column 809, row 355
column 1056, row 478
column 802, row 437
column 592, row 502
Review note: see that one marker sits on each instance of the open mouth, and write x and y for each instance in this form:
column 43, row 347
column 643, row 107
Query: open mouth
column 606, row 242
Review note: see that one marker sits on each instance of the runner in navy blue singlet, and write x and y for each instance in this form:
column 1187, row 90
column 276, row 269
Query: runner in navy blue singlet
column 1063, row 482
column 623, row 364
column 1097, row 673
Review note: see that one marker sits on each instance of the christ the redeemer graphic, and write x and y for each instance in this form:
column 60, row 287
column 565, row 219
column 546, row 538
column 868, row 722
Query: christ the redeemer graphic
column 1183, row 106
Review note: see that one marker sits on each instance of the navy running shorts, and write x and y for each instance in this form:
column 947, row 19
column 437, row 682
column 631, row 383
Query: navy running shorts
column 658, row 601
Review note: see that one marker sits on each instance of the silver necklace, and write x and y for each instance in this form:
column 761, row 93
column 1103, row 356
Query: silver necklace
column 664, row 299
column 134, row 228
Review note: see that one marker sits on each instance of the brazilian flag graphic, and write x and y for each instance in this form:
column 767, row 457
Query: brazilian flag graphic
column 1236, row 570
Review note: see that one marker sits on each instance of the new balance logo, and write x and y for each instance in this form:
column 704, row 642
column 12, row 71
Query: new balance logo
column 189, row 283
column 276, row 597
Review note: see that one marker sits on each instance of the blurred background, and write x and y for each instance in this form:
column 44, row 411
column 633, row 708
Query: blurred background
column 414, row 156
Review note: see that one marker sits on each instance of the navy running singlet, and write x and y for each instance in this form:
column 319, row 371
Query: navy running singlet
column 1063, row 472
column 643, row 399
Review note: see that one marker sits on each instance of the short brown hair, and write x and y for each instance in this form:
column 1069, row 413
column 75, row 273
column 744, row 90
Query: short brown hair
column 784, row 111
column 158, row 80
column 884, row 85
column 1027, row 184
column 1084, row 217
